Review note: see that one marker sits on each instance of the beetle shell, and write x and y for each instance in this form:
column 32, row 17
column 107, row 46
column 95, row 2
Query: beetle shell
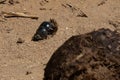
column 45, row 29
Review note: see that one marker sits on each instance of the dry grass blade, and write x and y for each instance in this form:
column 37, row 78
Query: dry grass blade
column 18, row 14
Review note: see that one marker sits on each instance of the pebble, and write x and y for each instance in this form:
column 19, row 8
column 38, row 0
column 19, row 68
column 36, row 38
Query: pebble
column 20, row 40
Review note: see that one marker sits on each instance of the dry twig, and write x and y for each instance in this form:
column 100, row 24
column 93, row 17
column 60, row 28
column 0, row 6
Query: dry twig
column 17, row 14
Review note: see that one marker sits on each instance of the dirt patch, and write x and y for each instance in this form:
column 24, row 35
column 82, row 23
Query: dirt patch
column 91, row 56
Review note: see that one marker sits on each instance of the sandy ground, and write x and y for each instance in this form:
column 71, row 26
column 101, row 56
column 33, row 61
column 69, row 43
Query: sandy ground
column 27, row 61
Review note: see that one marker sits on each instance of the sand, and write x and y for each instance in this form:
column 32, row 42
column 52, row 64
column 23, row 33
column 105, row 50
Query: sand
column 27, row 60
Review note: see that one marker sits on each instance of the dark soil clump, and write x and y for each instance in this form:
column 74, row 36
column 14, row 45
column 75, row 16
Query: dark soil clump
column 91, row 56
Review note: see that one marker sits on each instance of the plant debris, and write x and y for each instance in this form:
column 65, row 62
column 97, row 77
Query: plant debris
column 76, row 11
column 102, row 2
column 9, row 1
column 43, row 2
column 90, row 56
column 2, row 1
column 13, row 2
column 18, row 14
column 81, row 14
column 42, row 8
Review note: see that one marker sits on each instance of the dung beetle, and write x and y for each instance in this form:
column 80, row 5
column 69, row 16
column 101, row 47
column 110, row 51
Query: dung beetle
column 45, row 29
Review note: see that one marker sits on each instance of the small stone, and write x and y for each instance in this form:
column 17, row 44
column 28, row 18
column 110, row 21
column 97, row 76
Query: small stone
column 28, row 72
column 67, row 28
column 20, row 40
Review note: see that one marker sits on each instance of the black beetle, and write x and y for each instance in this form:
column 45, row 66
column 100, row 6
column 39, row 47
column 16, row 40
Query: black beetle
column 45, row 29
